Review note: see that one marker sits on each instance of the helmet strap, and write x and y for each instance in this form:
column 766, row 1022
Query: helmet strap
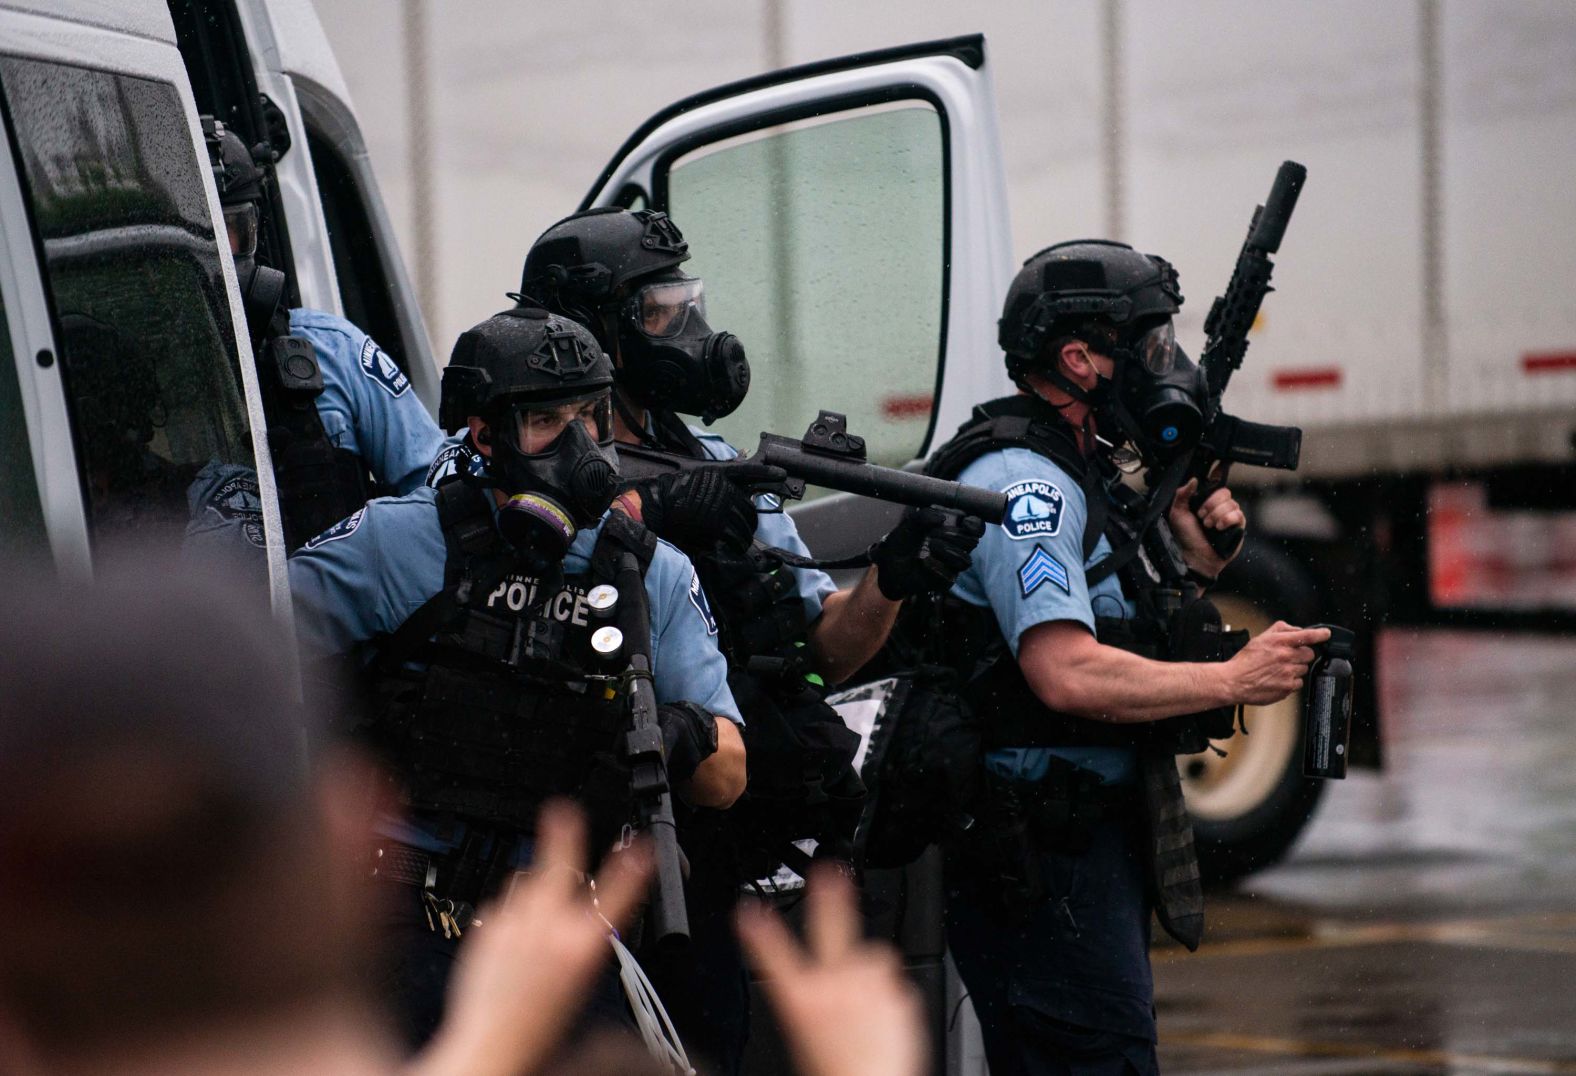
column 632, row 423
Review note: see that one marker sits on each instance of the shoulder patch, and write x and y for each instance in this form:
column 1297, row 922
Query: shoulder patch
column 237, row 501
column 1034, row 509
column 1039, row 568
column 697, row 598
column 376, row 364
column 343, row 529
column 450, row 460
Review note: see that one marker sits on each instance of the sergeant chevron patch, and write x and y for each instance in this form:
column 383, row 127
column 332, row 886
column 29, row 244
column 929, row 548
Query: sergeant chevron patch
column 1040, row 567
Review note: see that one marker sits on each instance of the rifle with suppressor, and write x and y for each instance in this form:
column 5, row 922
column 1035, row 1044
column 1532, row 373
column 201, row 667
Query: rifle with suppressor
column 648, row 767
column 1227, row 439
column 828, row 455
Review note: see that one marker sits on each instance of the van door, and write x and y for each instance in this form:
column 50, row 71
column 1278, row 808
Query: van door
column 136, row 392
column 850, row 220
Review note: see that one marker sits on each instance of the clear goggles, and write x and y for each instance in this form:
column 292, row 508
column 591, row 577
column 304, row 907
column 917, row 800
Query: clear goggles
column 538, row 426
column 241, row 222
column 661, row 310
column 1157, row 348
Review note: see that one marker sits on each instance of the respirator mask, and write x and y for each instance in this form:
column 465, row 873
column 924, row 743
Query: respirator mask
column 262, row 288
column 555, row 463
column 1155, row 400
column 672, row 359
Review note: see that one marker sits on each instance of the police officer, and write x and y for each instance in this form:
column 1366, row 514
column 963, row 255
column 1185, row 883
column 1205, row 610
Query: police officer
column 786, row 629
column 1066, row 629
column 354, row 414
column 479, row 610
column 617, row 272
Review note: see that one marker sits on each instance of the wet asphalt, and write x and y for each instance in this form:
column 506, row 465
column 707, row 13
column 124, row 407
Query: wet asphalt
column 1426, row 922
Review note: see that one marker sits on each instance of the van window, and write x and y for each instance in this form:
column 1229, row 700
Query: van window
column 142, row 321
column 22, row 535
column 364, row 287
column 822, row 244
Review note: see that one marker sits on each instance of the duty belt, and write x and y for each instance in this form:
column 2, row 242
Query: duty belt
column 465, row 875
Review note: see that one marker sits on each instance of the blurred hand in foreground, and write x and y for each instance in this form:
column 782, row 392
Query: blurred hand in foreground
column 529, row 958
column 844, row 1004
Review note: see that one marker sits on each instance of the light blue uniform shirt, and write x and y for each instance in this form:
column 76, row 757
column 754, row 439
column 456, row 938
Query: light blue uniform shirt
column 226, row 512
column 367, row 574
column 1030, row 570
column 367, row 404
column 367, row 408
column 776, row 529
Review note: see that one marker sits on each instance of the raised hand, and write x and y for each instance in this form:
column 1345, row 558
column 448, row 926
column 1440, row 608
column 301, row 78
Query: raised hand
column 844, row 1004
column 528, row 960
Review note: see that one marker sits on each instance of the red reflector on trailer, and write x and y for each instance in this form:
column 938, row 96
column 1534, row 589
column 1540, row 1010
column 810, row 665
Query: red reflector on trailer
column 1323, row 377
column 1548, row 362
column 906, row 406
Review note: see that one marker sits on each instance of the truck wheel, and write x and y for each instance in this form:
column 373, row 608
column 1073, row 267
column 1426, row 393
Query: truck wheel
column 1249, row 806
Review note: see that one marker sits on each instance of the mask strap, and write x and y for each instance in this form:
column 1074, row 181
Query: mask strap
column 1097, row 502
column 631, row 423
column 1079, row 394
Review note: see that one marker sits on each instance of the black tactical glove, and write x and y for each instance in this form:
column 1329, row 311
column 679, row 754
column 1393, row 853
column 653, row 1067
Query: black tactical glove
column 700, row 507
column 925, row 552
column 689, row 737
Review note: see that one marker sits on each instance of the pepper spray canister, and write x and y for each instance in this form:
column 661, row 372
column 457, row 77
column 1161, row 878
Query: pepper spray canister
column 1327, row 715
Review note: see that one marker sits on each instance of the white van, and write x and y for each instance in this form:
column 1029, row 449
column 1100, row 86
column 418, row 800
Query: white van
column 126, row 367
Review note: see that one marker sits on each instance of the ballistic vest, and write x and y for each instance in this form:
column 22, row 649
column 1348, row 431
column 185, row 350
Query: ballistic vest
column 1010, row 714
column 491, row 698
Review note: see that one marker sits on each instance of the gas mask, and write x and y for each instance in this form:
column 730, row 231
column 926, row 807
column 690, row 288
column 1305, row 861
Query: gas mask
column 672, row 359
column 555, row 463
column 262, row 288
column 1154, row 404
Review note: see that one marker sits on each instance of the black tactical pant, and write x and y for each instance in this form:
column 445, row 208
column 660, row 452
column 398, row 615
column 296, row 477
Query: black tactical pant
column 1066, row 989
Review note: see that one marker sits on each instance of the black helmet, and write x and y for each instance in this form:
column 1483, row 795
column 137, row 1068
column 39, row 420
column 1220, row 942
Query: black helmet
column 234, row 166
column 519, row 371
column 1081, row 285
column 521, row 355
column 1122, row 303
column 618, row 273
column 577, row 266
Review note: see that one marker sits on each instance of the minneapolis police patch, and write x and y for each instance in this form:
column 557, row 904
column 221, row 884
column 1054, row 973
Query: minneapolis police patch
column 237, row 501
column 343, row 529
column 1034, row 510
column 1039, row 568
column 376, row 364
column 448, row 463
column 702, row 606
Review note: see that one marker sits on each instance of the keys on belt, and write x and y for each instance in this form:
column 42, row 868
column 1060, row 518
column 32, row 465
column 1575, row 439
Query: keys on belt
column 404, row 865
